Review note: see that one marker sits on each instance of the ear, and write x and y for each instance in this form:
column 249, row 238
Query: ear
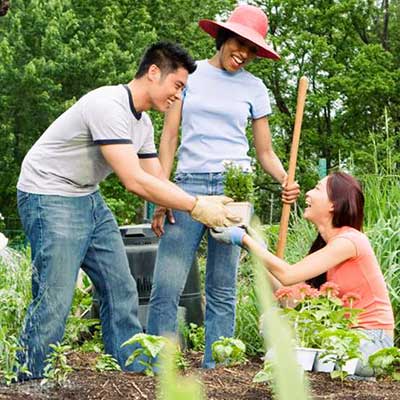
column 331, row 207
column 154, row 73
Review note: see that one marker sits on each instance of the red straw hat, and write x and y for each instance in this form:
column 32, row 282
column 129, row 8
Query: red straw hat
column 250, row 23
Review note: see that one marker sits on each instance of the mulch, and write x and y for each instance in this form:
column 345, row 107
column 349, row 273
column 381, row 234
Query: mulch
column 221, row 383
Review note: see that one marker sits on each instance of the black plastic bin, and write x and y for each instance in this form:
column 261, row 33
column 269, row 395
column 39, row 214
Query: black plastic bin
column 141, row 246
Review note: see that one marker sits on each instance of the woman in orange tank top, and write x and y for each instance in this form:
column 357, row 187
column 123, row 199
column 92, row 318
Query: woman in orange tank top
column 341, row 253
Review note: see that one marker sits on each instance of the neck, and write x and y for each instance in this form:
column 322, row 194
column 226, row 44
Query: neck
column 326, row 230
column 215, row 61
column 140, row 96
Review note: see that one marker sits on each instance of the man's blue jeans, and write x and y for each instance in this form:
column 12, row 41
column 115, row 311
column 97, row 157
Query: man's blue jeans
column 175, row 256
column 66, row 233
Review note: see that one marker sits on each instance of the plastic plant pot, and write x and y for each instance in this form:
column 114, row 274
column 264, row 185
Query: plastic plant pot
column 350, row 366
column 321, row 364
column 242, row 209
column 305, row 357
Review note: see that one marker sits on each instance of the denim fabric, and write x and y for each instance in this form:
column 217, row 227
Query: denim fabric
column 377, row 339
column 176, row 252
column 66, row 233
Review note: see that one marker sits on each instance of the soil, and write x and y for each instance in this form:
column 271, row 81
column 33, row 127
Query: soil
column 221, row 383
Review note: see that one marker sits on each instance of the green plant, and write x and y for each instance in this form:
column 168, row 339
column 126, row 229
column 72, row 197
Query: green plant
column 57, row 368
column 316, row 311
column 340, row 346
column 195, row 336
column 238, row 183
column 386, row 362
column 106, row 362
column 148, row 348
column 9, row 364
column 228, row 351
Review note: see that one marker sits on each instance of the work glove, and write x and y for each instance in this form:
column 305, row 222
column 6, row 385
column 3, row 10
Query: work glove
column 232, row 235
column 3, row 241
column 211, row 211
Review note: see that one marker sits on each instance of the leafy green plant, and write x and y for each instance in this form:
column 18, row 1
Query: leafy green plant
column 238, row 183
column 9, row 364
column 106, row 362
column 228, row 351
column 340, row 346
column 316, row 311
column 386, row 362
column 57, row 368
column 195, row 336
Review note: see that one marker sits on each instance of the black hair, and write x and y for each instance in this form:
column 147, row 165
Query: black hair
column 4, row 6
column 168, row 57
column 222, row 36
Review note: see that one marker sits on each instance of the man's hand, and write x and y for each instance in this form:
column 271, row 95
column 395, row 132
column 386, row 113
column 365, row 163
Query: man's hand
column 211, row 211
column 232, row 235
column 290, row 192
column 158, row 219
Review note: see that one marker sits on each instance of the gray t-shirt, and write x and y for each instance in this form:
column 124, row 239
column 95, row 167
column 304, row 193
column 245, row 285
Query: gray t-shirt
column 67, row 160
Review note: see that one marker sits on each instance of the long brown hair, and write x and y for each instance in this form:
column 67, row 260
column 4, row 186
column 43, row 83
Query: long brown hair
column 345, row 192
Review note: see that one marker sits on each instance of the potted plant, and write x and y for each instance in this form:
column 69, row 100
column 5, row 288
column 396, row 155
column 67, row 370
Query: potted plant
column 239, row 185
column 311, row 312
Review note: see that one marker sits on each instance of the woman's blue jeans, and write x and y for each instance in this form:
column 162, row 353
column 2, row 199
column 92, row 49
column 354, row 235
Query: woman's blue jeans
column 67, row 233
column 176, row 253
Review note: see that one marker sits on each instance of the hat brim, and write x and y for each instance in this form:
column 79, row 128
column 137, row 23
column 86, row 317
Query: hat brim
column 265, row 51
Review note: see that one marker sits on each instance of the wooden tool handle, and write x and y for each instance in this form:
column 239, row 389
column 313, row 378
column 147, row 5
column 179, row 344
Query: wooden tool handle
column 301, row 98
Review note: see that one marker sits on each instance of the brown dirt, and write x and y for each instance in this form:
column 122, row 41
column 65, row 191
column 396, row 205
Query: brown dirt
column 221, row 383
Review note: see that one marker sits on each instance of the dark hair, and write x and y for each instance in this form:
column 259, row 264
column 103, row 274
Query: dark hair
column 4, row 6
column 345, row 192
column 222, row 36
column 168, row 57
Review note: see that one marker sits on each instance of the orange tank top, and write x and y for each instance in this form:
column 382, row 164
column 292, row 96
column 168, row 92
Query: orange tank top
column 362, row 275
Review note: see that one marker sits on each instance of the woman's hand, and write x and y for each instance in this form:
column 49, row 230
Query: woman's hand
column 158, row 219
column 290, row 192
column 232, row 235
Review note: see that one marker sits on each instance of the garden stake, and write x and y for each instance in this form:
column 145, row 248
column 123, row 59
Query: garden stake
column 301, row 98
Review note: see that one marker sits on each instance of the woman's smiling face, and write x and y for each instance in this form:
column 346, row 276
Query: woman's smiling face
column 236, row 53
column 319, row 206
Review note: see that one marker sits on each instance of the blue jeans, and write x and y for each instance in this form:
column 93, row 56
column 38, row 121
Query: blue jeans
column 66, row 233
column 176, row 253
column 377, row 339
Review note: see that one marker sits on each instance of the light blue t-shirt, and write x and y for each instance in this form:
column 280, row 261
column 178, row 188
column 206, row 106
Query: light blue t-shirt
column 217, row 105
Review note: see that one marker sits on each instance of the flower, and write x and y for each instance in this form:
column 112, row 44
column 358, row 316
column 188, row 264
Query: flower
column 304, row 290
column 350, row 298
column 284, row 293
column 330, row 289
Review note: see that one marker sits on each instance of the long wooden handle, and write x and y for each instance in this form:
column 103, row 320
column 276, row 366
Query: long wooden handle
column 301, row 98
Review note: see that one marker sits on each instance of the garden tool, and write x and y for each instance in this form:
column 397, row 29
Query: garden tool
column 301, row 98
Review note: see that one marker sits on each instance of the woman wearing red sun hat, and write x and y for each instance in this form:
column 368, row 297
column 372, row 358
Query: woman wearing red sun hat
column 220, row 98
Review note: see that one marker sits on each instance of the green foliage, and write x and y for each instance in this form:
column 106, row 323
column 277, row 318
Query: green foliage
column 386, row 362
column 106, row 362
column 238, row 184
column 247, row 318
column 340, row 346
column 289, row 381
column 149, row 347
column 57, row 368
column 195, row 336
column 228, row 351
column 172, row 386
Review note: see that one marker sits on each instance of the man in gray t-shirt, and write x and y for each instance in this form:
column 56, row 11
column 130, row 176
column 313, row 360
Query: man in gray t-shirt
column 66, row 220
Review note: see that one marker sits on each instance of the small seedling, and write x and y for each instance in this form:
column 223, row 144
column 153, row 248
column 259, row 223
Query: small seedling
column 57, row 368
column 106, row 362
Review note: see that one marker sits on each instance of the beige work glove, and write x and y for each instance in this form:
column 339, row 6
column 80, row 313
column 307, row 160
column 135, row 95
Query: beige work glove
column 211, row 211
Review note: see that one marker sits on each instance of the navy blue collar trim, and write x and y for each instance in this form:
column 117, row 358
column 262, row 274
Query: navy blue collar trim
column 136, row 114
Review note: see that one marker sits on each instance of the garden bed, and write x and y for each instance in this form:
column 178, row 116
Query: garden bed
column 222, row 383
